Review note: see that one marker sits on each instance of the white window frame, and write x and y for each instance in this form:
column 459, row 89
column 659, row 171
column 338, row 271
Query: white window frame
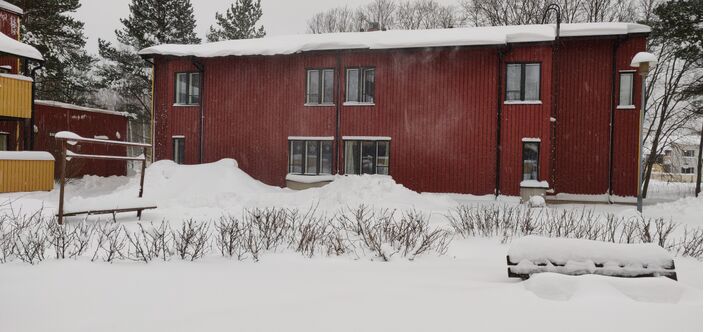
column 360, row 88
column 188, row 89
column 375, row 140
column 321, row 87
column 319, row 140
column 630, row 105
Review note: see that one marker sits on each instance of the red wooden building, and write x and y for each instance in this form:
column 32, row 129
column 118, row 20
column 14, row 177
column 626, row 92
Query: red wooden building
column 468, row 110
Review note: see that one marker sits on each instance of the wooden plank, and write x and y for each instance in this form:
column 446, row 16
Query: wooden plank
column 94, row 212
column 103, row 141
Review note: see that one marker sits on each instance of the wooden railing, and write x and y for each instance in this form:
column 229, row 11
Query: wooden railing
column 15, row 96
column 67, row 139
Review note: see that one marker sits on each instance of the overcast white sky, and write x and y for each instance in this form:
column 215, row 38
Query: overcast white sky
column 281, row 17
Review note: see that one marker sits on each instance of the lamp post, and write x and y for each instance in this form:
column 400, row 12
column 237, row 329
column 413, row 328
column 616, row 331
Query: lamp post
column 643, row 61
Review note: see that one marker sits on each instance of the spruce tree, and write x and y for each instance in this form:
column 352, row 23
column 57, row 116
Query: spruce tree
column 151, row 22
column 48, row 26
column 239, row 22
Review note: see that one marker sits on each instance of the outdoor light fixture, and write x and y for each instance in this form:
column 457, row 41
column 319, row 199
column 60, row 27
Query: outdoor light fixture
column 643, row 61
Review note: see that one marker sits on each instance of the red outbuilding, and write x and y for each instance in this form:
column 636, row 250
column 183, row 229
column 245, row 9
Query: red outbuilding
column 469, row 110
column 51, row 117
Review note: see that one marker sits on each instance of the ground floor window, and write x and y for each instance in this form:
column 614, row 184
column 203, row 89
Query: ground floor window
column 531, row 153
column 4, row 141
column 179, row 145
column 367, row 157
column 310, row 157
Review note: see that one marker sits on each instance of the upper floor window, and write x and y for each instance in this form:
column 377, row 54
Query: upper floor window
column 187, row 88
column 360, row 85
column 320, row 86
column 366, row 156
column 310, row 157
column 625, row 93
column 523, row 82
column 688, row 153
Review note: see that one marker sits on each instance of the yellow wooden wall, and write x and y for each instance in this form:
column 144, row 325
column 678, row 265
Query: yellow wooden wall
column 15, row 97
column 26, row 175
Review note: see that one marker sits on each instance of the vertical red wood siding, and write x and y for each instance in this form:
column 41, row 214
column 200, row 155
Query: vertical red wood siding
column 625, row 177
column 526, row 121
column 438, row 105
column 586, row 98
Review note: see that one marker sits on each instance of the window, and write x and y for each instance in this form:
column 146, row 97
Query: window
column 625, row 94
column 688, row 153
column 366, row 157
column 531, row 153
column 360, row 85
column 4, row 140
column 179, row 145
column 523, row 82
column 187, row 88
column 687, row 170
column 320, row 86
column 310, row 157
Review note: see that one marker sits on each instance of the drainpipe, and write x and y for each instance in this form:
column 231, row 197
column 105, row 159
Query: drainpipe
column 336, row 147
column 152, row 119
column 617, row 43
column 31, row 119
column 201, row 134
column 499, row 106
column 555, row 88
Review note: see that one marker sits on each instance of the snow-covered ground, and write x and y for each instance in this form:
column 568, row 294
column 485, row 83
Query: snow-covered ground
column 465, row 289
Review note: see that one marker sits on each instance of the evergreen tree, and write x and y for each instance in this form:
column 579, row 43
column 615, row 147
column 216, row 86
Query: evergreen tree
column 47, row 25
column 151, row 22
column 239, row 22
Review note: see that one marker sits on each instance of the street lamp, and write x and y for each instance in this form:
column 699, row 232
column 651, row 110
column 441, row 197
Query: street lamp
column 643, row 61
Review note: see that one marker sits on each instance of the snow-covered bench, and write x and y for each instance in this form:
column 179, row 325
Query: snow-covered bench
column 533, row 254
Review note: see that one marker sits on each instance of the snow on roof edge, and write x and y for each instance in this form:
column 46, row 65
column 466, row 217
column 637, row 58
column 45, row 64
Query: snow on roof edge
column 14, row 47
column 11, row 8
column 394, row 39
column 81, row 108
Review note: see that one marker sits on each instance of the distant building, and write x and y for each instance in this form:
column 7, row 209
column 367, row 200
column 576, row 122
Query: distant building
column 680, row 158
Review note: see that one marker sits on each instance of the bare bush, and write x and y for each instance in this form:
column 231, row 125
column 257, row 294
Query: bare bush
column 230, row 237
column 192, row 240
column 111, row 242
column 510, row 221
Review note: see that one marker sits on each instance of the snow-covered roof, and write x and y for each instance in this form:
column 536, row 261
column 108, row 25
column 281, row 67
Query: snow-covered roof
column 13, row 47
column 10, row 7
column 81, row 108
column 392, row 39
column 25, row 155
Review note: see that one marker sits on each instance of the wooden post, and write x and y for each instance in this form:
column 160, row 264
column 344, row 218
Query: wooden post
column 62, row 180
column 141, row 178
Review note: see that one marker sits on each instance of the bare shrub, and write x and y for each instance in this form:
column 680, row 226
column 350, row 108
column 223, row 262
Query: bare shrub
column 510, row 221
column 230, row 237
column 192, row 239
column 29, row 237
column 111, row 242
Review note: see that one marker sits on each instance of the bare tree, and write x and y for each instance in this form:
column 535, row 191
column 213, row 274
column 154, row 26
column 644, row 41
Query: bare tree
column 673, row 91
